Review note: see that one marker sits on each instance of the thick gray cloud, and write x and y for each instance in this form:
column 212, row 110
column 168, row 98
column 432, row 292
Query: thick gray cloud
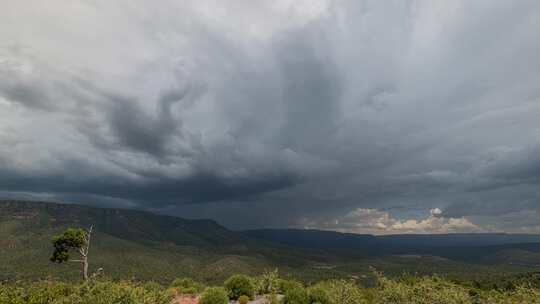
column 361, row 116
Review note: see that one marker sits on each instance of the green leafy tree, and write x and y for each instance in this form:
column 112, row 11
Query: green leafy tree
column 71, row 239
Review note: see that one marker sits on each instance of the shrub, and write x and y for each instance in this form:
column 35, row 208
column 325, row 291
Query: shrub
column 239, row 285
column 297, row 295
column 44, row 292
column 243, row 299
column 286, row 285
column 407, row 290
column 342, row 292
column 272, row 299
column 317, row 295
column 268, row 282
column 187, row 286
column 422, row 290
column 520, row 294
column 112, row 292
column 152, row 286
column 214, row 295
column 104, row 292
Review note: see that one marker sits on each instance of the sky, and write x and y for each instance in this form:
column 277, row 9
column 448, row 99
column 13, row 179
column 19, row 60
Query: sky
column 379, row 117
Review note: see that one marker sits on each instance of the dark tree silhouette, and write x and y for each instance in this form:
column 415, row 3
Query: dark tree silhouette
column 77, row 240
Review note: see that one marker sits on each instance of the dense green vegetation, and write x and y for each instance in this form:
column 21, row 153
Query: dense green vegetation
column 239, row 285
column 153, row 259
column 94, row 292
column 406, row 289
column 187, row 286
column 126, row 244
column 144, row 246
column 243, row 299
column 214, row 295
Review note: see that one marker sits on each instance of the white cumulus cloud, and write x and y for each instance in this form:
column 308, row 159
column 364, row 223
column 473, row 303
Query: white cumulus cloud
column 373, row 221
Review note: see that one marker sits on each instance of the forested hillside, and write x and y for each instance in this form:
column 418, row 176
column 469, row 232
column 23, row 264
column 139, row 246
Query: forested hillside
column 143, row 245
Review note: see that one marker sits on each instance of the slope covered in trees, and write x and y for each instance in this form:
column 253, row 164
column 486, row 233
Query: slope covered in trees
column 142, row 245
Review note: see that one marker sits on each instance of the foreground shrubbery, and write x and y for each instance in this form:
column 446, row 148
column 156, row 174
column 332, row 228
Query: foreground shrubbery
column 416, row 290
column 214, row 295
column 268, row 282
column 297, row 295
column 318, row 295
column 88, row 293
column 434, row 289
column 187, row 286
column 243, row 300
column 239, row 285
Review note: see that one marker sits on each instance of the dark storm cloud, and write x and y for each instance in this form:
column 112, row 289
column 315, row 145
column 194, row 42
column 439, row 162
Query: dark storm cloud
column 347, row 115
column 197, row 188
column 137, row 130
column 27, row 95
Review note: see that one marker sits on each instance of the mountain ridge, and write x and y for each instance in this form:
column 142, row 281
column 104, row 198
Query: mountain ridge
column 143, row 244
column 467, row 239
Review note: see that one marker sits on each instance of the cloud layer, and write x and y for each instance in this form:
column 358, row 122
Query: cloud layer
column 373, row 221
column 361, row 113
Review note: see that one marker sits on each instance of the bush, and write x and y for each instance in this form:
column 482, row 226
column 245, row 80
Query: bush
column 152, row 286
column 422, row 290
column 407, row 290
column 112, row 292
column 286, row 285
column 296, row 296
column 343, row 292
column 104, row 292
column 268, row 282
column 317, row 295
column 239, row 285
column 214, row 295
column 187, row 286
column 243, row 299
column 272, row 299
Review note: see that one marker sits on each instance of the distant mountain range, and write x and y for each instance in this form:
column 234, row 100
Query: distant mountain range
column 126, row 243
column 323, row 239
column 130, row 243
column 469, row 247
column 136, row 225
